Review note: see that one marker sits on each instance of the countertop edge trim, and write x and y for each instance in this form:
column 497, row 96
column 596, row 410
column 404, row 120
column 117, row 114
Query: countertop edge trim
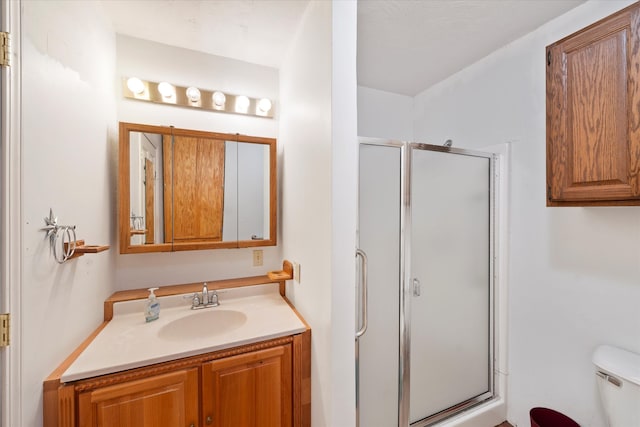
column 53, row 380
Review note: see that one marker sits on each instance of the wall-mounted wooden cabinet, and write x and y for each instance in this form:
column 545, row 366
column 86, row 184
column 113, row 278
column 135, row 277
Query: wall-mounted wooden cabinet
column 593, row 114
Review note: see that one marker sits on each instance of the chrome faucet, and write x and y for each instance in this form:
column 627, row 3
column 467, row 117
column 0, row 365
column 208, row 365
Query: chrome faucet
column 205, row 299
column 205, row 293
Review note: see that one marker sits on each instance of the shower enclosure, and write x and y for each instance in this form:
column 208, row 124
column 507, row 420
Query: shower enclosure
column 425, row 344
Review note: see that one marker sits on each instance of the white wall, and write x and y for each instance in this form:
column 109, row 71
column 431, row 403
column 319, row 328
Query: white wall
column 69, row 142
column 574, row 279
column 158, row 62
column 305, row 145
column 384, row 114
column 344, row 129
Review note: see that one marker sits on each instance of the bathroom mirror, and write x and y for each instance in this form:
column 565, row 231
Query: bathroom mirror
column 182, row 189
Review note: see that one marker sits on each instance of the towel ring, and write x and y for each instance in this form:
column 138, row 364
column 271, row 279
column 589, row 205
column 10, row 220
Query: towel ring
column 63, row 236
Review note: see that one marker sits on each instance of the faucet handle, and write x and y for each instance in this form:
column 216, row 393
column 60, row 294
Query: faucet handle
column 213, row 298
column 194, row 297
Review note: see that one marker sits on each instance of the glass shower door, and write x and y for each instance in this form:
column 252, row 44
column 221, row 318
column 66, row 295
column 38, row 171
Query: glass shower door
column 450, row 280
column 379, row 237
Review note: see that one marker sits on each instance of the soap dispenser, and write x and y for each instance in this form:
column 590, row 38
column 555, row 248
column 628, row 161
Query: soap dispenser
column 152, row 312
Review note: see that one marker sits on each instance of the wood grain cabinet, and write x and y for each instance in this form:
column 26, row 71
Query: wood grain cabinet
column 194, row 202
column 251, row 390
column 159, row 400
column 266, row 384
column 593, row 114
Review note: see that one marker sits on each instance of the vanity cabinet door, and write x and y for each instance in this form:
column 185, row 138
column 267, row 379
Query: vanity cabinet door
column 249, row 390
column 168, row 400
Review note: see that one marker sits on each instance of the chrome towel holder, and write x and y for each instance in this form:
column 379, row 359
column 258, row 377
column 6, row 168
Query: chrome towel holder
column 62, row 239
column 66, row 232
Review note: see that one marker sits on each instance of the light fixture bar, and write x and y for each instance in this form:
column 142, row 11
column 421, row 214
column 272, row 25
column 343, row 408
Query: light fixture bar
column 177, row 95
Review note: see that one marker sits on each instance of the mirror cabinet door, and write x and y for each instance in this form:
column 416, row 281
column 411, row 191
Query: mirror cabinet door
column 197, row 190
column 253, row 191
column 146, row 206
column 187, row 190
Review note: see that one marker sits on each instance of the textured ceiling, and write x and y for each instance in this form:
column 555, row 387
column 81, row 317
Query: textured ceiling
column 257, row 31
column 406, row 46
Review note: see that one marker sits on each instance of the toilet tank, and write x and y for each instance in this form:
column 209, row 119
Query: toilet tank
column 618, row 376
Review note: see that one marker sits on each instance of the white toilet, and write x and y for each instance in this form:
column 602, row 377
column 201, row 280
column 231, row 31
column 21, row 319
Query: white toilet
column 618, row 379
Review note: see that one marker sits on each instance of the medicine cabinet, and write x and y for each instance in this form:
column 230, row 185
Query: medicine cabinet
column 182, row 189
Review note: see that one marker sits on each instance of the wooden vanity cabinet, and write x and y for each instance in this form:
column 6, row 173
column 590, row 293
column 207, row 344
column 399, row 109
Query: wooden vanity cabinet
column 266, row 384
column 251, row 390
column 593, row 114
column 161, row 400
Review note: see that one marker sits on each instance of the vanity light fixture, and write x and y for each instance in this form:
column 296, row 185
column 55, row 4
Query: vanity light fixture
column 242, row 104
column 218, row 99
column 135, row 85
column 264, row 105
column 193, row 97
column 166, row 90
column 193, row 93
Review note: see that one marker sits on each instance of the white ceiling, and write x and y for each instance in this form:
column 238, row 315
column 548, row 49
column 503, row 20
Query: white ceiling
column 257, row 31
column 404, row 46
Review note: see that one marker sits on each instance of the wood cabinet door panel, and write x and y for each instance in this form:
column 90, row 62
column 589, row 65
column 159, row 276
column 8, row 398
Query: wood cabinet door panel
column 593, row 139
column 249, row 390
column 197, row 189
column 235, row 397
column 169, row 400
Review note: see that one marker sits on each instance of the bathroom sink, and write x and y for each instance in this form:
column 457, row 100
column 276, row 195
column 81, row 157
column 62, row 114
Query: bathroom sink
column 201, row 324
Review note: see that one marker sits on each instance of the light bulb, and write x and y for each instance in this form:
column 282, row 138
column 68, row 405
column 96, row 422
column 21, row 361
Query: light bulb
column 166, row 89
column 193, row 93
column 242, row 104
column 264, row 105
column 219, row 98
column 135, row 85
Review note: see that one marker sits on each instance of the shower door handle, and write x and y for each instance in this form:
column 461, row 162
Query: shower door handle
column 416, row 288
column 360, row 253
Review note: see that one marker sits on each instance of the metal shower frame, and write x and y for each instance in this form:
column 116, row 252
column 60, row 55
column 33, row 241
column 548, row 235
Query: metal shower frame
column 405, row 279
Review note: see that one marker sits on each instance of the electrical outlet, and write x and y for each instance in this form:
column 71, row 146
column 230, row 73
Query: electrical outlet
column 296, row 272
column 257, row 258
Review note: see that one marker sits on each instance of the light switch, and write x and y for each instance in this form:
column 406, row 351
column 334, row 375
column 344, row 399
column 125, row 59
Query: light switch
column 296, row 272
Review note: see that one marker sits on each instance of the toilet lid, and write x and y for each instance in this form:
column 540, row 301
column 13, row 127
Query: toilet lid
column 619, row 362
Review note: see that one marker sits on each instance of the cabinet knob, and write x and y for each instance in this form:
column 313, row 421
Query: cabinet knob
column 209, row 420
column 192, row 425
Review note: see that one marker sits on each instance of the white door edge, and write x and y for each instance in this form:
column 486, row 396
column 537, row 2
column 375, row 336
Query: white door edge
column 10, row 219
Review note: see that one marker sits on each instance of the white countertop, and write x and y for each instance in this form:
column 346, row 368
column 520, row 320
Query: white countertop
column 128, row 342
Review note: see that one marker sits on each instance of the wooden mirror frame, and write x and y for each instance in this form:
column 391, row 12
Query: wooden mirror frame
column 124, row 191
